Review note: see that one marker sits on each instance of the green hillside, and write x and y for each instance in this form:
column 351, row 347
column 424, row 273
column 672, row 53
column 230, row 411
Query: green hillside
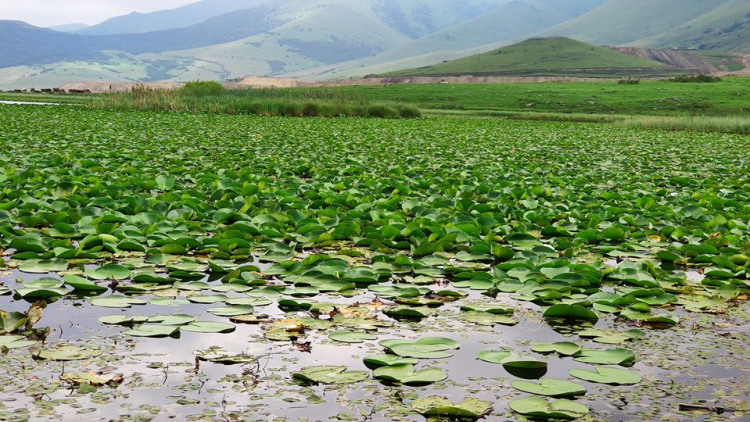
column 625, row 21
column 725, row 28
column 543, row 57
column 508, row 23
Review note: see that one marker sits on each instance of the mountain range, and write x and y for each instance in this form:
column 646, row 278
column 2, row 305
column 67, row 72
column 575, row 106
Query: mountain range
column 319, row 39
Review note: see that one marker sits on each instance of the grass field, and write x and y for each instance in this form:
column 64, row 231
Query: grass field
column 220, row 267
column 727, row 98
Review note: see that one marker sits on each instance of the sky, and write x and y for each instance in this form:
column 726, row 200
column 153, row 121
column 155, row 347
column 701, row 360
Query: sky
column 58, row 12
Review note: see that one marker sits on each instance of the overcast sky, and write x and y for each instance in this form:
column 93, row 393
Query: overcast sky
column 58, row 12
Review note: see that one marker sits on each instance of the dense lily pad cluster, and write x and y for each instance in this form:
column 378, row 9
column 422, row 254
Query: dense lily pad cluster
column 353, row 227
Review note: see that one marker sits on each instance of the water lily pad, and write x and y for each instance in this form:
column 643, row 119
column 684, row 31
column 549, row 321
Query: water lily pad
column 487, row 319
column 123, row 319
column 230, row 311
column 624, row 357
column 407, row 375
column 116, row 301
column 351, row 336
column 606, row 375
column 441, row 407
column 109, row 271
column 209, row 327
column 572, row 312
column 221, row 356
column 153, row 331
column 564, row 348
column 550, row 387
column 373, row 362
column 15, row 342
column 178, row 319
column 492, row 356
column 63, row 352
column 43, row 266
column 424, row 348
column 329, row 375
column 91, row 378
column 540, row 408
column 82, row 284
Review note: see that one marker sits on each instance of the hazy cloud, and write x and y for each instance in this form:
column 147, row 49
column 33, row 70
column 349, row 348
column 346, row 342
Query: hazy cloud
column 58, row 12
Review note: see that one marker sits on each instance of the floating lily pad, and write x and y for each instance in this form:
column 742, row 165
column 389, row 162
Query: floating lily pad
column 540, row 408
column 152, row 331
column 351, row 337
column 221, row 356
column 406, row 374
column 624, row 357
column 373, row 362
column 564, row 348
column 82, row 284
column 209, row 327
column 123, row 319
column 550, row 387
column 109, row 271
column 15, row 342
column 230, row 311
column 606, row 375
column 572, row 312
column 441, row 407
column 43, row 266
column 63, row 352
column 116, row 301
column 424, row 348
column 329, row 375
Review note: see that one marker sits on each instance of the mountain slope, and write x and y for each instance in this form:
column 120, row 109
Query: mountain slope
column 181, row 17
column 71, row 27
column 25, row 44
column 511, row 21
column 541, row 57
column 625, row 21
column 725, row 28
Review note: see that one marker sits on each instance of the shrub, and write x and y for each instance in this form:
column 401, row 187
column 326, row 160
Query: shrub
column 696, row 79
column 629, row 81
column 202, row 89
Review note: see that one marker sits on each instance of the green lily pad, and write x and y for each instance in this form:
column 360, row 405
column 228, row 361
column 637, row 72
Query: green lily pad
column 209, row 327
column 441, row 407
column 221, row 356
column 152, row 331
column 572, row 312
column 123, row 319
column 63, row 352
column 624, row 357
column 230, row 311
column 329, row 375
column 606, row 375
column 116, row 301
column 564, row 348
column 550, row 387
column 43, row 266
column 540, row 408
column 15, row 342
column 373, row 362
column 350, row 337
column 407, row 375
column 424, row 348
column 82, row 284
column 178, row 319
column 109, row 272
column 492, row 356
